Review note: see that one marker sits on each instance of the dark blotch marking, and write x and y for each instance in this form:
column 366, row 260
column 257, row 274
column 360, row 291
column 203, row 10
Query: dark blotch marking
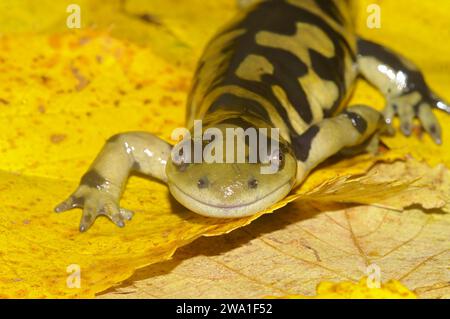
column 357, row 121
column 92, row 179
column 231, row 102
column 136, row 166
column 301, row 144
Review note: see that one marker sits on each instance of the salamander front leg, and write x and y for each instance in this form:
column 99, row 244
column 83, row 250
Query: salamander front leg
column 356, row 126
column 102, row 185
column 404, row 87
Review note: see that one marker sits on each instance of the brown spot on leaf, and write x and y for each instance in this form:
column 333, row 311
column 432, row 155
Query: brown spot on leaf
column 45, row 79
column 149, row 18
column 168, row 101
column 57, row 138
column 82, row 81
column 41, row 108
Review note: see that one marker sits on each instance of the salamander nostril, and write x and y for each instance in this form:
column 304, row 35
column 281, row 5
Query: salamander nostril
column 203, row 183
column 252, row 183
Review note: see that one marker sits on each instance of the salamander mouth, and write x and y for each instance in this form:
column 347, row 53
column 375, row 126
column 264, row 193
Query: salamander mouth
column 230, row 211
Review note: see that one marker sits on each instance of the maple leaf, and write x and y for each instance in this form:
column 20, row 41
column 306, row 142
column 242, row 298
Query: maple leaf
column 64, row 95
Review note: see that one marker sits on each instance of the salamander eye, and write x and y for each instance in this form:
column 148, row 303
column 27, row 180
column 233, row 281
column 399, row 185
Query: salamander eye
column 252, row 183
column 280, row 157
column 203, row 183
column 277, row 159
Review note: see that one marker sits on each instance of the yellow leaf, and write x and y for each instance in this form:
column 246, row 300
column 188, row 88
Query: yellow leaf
column 63, row 94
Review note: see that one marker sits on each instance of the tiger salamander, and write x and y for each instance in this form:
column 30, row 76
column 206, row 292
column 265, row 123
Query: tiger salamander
column 285, row 64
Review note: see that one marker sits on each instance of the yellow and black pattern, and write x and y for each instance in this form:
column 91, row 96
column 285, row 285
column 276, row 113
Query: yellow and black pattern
column 290, row 63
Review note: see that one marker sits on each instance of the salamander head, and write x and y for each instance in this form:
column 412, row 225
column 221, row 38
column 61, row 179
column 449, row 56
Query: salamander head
column 234, row 189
